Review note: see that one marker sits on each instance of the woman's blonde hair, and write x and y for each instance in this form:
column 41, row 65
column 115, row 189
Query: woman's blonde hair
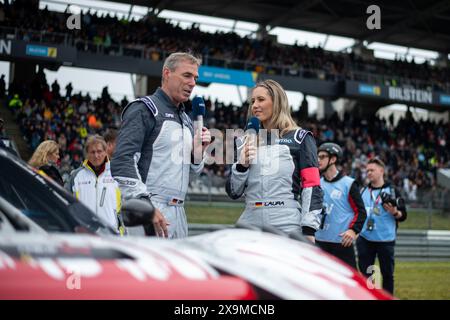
column 40, row 155
column 281, row 112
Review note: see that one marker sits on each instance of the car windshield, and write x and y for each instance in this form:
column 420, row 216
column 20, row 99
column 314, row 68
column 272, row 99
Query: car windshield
column 77, row 210
column 44, row 201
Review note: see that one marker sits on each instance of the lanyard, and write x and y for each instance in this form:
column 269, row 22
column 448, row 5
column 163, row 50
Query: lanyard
column 376, row 200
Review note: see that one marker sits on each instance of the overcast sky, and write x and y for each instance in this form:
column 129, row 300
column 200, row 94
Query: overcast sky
column 120, row 84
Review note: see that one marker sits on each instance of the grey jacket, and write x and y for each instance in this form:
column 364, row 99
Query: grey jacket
column 286, row 170
column 153, row 150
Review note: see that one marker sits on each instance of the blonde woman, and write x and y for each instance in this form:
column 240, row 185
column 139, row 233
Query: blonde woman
column 45, row 158
column 279, row 177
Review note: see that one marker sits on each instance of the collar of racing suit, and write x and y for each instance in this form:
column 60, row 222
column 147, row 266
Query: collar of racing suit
column 162, row 95
column 99, row 170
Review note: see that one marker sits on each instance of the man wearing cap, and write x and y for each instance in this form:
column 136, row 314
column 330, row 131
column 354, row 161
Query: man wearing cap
column 344, row 213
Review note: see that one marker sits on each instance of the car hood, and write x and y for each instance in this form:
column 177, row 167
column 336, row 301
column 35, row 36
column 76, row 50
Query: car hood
column 36, row 266
column 287, row 268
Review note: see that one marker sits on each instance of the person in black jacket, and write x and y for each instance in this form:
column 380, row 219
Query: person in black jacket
column 45, row 158
column 344, row 209
column 385, row 208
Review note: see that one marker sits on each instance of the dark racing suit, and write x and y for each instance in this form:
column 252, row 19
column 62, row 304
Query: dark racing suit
column 282, row 186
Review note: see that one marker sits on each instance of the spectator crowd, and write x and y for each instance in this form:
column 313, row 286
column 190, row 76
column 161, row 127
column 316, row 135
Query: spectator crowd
column 412, row 150
column 152, row 38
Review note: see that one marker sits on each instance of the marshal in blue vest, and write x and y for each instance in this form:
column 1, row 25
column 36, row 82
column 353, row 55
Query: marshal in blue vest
column 384, row 224
column 338, row 212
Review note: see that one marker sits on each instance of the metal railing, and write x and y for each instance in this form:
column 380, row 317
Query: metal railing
column 416, row 245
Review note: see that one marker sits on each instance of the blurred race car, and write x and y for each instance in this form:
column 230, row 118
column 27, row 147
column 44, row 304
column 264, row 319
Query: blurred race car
column 34, row 266
column 227, row 264
column 283, row 268
column 51, row 206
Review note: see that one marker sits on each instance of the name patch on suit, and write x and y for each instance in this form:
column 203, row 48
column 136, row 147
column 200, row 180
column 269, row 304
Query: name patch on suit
column 269, row 204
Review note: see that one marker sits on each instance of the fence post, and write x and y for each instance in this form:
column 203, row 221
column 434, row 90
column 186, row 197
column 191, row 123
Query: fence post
column 209, row 188
column 430, row 213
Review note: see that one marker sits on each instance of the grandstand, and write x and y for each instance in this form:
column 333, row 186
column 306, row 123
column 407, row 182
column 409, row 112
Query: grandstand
column 354, row 78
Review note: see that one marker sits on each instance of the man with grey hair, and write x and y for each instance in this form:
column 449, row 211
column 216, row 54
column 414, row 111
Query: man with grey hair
column 155, row 147
column 94, row 186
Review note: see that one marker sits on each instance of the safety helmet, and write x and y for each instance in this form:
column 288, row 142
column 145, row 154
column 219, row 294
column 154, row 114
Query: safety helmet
column 332, row 149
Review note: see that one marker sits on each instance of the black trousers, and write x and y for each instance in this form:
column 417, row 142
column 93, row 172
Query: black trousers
column 368, row 251
column 346, row 254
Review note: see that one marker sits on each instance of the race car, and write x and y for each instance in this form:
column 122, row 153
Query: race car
column 53, row 208
column 43, row 242
column 227, row 264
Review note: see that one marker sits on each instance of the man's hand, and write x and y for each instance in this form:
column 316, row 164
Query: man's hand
column 392, row 210
column 160, row 224
column 348, row 237
column 311, row 238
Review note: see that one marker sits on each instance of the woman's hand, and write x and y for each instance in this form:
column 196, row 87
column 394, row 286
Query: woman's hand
column 248, row 154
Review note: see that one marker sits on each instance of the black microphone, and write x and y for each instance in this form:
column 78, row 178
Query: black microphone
column 198, row 112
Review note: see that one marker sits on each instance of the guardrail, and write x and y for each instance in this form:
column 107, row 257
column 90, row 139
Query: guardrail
column 416, row 245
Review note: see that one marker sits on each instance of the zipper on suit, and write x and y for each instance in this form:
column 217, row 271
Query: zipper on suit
column 102, row 198
column 182, row 151
column 96, row 196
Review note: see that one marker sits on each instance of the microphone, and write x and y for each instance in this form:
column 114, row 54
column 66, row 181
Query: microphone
column 252, row 130
column 198, row 112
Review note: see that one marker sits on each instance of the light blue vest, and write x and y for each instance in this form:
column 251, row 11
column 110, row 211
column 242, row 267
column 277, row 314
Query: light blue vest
column 338, row 212
column 384, row 228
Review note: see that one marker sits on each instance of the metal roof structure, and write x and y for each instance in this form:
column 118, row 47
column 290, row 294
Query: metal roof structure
column 422, row 24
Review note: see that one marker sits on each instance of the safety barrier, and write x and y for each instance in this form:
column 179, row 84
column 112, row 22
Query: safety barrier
column 417, row 245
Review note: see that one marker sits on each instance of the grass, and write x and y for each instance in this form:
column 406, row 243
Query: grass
column 228, row 213
column 214, row 214
column 421, row 220
column 422, row 280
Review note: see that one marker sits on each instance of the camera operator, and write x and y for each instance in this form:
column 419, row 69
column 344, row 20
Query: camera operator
column 385, row 208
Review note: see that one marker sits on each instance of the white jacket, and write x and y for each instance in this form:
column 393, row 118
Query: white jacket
column 100, row 194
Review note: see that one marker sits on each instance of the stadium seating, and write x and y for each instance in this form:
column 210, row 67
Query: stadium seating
column 152, row 37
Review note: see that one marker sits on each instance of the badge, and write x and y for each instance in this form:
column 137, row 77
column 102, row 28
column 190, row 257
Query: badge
column 376, row 210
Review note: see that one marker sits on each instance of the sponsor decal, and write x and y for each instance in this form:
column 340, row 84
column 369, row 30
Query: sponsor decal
column 410, row 95
column 336, row 194
column 283, row 141
column 369, row 90
column 41, row 51
column 444, row 99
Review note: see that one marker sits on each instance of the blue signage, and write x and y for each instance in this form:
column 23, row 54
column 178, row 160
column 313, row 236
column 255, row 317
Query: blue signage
column 41, row 51
column 444, row 99
column 370, row 90
column 227, row 76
